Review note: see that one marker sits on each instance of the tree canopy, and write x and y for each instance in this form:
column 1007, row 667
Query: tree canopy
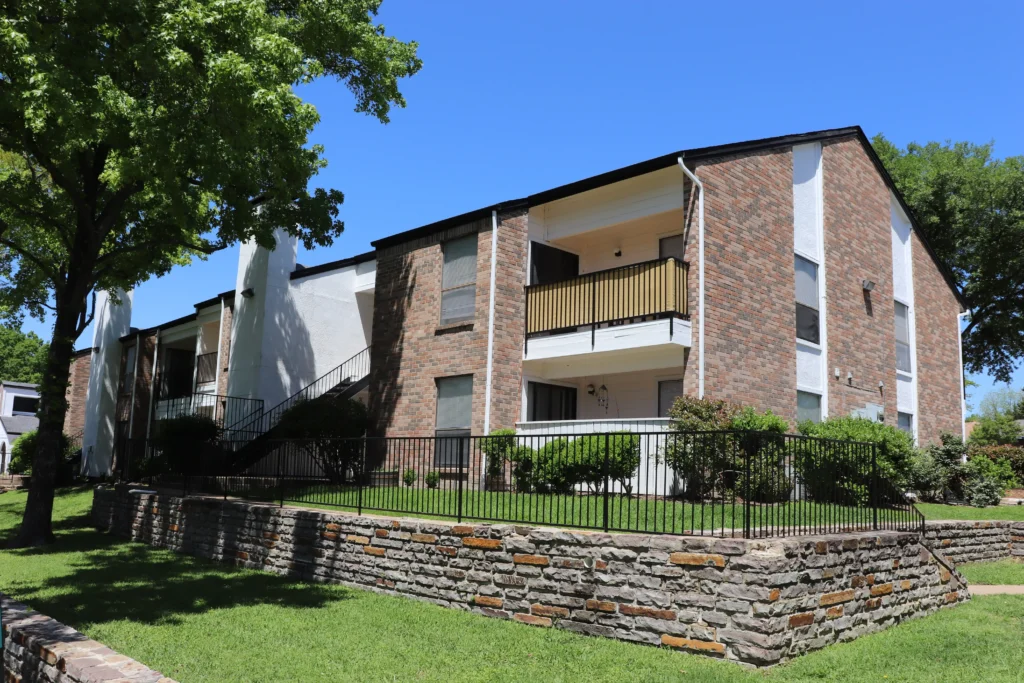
column 137, row 135
column 22, row 355
column 971, row 206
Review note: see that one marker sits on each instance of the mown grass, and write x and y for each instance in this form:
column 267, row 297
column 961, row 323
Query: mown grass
column 199, row 621
column 1008, row 572
column 937, row 511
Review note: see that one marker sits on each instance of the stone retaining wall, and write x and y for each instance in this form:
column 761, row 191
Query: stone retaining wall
column 758, row 602
column 961, row 541
column 37, row 648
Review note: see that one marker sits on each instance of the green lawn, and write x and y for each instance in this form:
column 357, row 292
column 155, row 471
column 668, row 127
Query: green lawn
column 1000, row 573
column 199, row 621
column 1013, row 513
column 625, row 513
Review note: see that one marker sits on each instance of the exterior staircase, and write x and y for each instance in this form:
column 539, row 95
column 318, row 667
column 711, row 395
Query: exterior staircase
column 250, row 439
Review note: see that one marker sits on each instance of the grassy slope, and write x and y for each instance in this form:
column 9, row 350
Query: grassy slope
column 198, row 621
column 1014, row 513
column 999, row 573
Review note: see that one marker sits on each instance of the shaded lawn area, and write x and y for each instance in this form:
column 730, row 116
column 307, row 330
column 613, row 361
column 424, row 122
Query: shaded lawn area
column 624, row 513
column 199, row 621
column 1008, row 572
column 937, row 511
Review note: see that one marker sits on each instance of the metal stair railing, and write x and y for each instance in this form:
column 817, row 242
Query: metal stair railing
column 349, row 372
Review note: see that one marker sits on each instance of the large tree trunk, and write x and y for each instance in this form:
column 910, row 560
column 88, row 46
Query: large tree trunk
column 36, row 528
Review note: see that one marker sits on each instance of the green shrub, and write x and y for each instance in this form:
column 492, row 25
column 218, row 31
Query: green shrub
column 1000, row 471
column 749, row 419
column 690, row 414
column 179, row 443
column 23, row 451
column 587, row 460
column 553, row 471
column 501, row 446
column 432, row 479
column 330, row 431
column 409, row 477
column 980, row 481
column 983, row 492
column 995, row 430
column 1011, row 453
column 926, row 477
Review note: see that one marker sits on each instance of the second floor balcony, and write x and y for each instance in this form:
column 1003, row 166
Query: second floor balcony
column 605, row 316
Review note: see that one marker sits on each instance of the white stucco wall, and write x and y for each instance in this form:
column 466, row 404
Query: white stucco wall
column 112, row 322
column 631, row 395
column 809, row 242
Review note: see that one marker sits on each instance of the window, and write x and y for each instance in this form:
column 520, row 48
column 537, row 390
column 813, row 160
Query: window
column 129, row 370
column 807, row 326
column 548, row 264
column 458, row 280
column 905, row 421
column 903, row 338
column 674, row 247
column 453, row 420
column 25, row 404
column 550, row 402
column 668, row 391
column 808, row 407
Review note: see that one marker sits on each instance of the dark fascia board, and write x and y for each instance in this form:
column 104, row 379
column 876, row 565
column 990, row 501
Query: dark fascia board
column 82, row 352
column 334, row 265
column 213, row 301
column 438, row 226
column 163, row 326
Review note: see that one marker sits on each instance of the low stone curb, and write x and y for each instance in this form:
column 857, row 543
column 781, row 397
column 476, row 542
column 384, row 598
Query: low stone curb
column 38, row 648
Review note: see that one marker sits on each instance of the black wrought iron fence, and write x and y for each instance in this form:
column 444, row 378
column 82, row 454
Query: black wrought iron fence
column 735, row 484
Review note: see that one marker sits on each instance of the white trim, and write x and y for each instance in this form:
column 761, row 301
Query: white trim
column 490, row 324
column 963, row 399
column 820, row 196
column 809, row 344
column 807, row 389
column 525, row 393
column 220, row 339
column 700, row 272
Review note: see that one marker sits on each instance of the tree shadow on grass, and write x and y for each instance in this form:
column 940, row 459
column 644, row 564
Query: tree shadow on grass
column 113, row 580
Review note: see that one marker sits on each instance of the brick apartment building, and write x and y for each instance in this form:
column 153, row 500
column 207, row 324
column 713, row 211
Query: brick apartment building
column 786, row 274
column 820, row 297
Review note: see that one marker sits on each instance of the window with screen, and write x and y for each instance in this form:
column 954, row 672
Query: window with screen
column 550, row 402
column 808, row 407
column 903, row 363
column 458, row 280
column 453, row 420
column 905, row 421
column 25, row 404
column 807, row 322
column 129, row 371
column 668, row 391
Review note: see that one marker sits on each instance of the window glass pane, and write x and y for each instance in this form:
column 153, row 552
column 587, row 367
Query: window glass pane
column 807, row 324
column 458, row 304
column 808, row 407
column 455, row 402
column 905, row 421
column 459, row 262
column 668, row 392
column 674, row 246
column 449, row 445
column 903, row 357
column 25, row 404
column 902, row 323
column 806, row 283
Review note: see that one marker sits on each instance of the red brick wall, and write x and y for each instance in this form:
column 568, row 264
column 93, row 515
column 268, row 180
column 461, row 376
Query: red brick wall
column 858, row 247
column 410, row 349
column 938, row 353
column 77, row 392
column 226, row 317
column 748, row 228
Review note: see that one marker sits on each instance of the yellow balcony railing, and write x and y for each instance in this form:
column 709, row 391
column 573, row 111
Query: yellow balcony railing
column 652, row 289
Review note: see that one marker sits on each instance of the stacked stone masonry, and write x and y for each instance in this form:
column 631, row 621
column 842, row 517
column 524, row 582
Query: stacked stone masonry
column 37, row 648
column 758, row 602
column 961, row 542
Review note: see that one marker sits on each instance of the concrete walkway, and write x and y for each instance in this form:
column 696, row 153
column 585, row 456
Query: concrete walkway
column 996, row 590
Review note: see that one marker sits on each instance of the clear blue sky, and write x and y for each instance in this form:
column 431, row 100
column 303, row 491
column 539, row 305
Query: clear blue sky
column 517, row 97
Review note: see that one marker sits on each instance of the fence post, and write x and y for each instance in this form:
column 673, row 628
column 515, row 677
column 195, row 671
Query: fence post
column 360, row 473
column 280, row 478
column 461, row 444
column 752, row 448
column 604, row 469
column 873, row 484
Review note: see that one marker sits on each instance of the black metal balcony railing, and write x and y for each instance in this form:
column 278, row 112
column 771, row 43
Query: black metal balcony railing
column 224, row 410
column 652, row 289
column 206, row 368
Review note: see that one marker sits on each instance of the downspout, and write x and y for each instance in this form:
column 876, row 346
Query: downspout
column 963, row 396
column 490, row 322
column 700, row 276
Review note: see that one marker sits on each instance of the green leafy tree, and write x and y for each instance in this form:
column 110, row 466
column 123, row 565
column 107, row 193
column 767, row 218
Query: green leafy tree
column 22, row 355
column 971, row 205
column 995, row 430
column 1003, row 401
column 135, row 136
